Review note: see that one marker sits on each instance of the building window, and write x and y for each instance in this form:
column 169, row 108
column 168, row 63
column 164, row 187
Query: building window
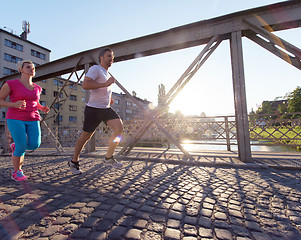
column 55, row 93
column 73, row 86
column 38, row 54
column 43, row 103
column 129, row 111
column 3, row 115
column 116, row 101
column 12, row 58
column 73, row 97
column 13, row 45
column 73, row 119
column 128, row 103
column 57, row 106
column 57, row 82
column 58, row 119
column 8, row 71
column 43, row 91
column 117, row 110
column 73, row 108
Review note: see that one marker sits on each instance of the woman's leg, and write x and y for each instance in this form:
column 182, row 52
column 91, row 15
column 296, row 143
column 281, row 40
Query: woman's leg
column 17, row 130
column 33, row 132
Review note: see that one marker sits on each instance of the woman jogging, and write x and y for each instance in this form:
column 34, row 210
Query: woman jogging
column 23, row 118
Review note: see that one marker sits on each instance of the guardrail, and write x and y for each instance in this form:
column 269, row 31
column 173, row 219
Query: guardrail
column 216, row 130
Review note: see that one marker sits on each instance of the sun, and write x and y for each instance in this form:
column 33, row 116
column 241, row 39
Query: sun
column 186, row 102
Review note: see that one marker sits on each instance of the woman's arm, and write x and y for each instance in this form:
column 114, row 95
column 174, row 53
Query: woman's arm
column 4, row 92
column 43, row 108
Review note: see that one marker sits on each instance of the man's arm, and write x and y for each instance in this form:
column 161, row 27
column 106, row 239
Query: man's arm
column 90, row 83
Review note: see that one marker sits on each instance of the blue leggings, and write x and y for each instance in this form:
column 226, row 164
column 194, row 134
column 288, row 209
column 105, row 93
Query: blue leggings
column 26, row 135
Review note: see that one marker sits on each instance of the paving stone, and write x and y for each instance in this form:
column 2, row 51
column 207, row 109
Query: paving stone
column 189, row 238
column 175, row 215
column 261, row 236
column 220, row 216
column 133, row 234
column 156, row 227
column 190, row 230
column 173, row 223
column 223, row 234
column 90, row 222
column 190, row 220
column 206, row 212
column 98, row 235
column 140, row 223
column 172, row 234
column 235, row 213
column 205, row 222
column 70, row 212
column 50, row 231
column 117, row 233
column 149, row 235
column 253, row 226
column 81, row 233
column 93, row 204
column 61, row 220
column 205, row 232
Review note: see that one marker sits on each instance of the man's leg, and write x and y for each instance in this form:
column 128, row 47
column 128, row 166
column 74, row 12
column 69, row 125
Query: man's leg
column 81, row 142
column 117, row 126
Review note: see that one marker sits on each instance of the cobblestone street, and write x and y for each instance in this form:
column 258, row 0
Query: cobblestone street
column 148, row 200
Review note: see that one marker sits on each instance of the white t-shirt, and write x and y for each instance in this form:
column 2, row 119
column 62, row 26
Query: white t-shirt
column 100, row 97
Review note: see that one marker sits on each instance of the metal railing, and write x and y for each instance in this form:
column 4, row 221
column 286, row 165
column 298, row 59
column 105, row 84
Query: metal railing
column 216, row 130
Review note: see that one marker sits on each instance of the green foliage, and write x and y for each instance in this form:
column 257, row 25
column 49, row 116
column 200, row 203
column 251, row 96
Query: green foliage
column 294, row 98
column 293, row 106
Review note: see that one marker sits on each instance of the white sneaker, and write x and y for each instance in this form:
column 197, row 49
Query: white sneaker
column 74, row 167
column 112, row 162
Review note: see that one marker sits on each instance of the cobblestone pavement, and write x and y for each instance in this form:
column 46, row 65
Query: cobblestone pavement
column 148, row 200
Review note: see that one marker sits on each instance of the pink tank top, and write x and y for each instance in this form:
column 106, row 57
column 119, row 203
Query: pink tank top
column 19, row 92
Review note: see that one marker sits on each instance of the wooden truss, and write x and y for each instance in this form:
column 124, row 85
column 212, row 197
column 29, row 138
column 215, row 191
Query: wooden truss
column 60, row 103
column 173, row 92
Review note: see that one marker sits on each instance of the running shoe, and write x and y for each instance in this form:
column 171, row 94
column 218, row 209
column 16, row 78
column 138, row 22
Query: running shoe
column 74, row 167
column 12, row 147
column 111, row 161
column 18, row 176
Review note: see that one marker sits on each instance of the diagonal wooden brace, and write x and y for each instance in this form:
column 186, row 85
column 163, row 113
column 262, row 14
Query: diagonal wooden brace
column 191, row 70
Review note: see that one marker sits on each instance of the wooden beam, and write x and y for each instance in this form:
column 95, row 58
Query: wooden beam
column 241, row 113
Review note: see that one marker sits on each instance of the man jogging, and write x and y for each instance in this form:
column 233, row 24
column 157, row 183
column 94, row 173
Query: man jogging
column 98, row 109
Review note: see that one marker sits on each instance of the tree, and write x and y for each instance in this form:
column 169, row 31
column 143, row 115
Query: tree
column 265, row 108
column 294, row 101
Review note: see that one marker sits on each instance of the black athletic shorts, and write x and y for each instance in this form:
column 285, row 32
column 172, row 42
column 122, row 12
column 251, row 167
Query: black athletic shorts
column 94, row 116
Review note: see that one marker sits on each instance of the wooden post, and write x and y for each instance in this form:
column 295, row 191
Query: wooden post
column 241, row 114
column 227, row 130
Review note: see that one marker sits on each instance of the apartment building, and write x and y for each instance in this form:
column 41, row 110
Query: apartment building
column 126, row 107
column 14, row 49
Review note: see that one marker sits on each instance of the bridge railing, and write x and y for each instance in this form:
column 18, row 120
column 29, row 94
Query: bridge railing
column 272, row 129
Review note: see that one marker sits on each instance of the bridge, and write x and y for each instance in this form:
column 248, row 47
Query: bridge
column 256, row 24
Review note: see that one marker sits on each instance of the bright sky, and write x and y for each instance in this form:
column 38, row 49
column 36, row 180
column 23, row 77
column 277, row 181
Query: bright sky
column 71, row 26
